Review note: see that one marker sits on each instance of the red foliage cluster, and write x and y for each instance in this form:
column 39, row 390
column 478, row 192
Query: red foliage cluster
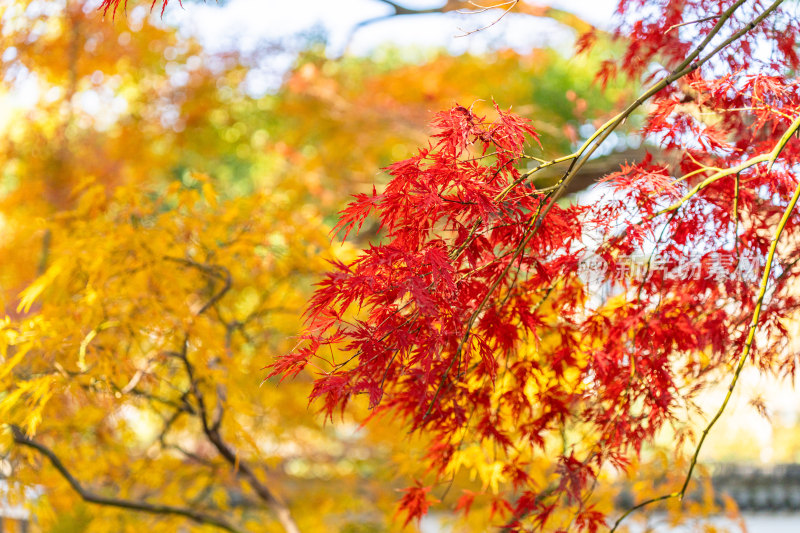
column 113, row 5
column 668, row 31
column 475, row 321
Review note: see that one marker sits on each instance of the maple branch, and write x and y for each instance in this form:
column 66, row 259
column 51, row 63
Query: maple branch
column 402, row 10
column 157, row 509
column 769, row 157
column 481, row 305
column 585, row 151
column 704, row 19
column 162, row 440
column 739, row 365
column 579, row 157
column 397, row 11
column 217, row 272
column 47, row 239
column 481, row 9
column 751, row 332
column 243, row 469
column 184, row 405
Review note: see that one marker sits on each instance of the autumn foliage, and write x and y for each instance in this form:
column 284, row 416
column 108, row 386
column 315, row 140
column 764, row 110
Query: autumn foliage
column 529, row 349
column 474, row 319
column 124, row 254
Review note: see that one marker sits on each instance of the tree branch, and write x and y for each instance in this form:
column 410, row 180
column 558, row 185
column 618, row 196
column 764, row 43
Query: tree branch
column 561, row 16
column 401, row 10
column 217, row 272
column 243, row 469
column 157, row 509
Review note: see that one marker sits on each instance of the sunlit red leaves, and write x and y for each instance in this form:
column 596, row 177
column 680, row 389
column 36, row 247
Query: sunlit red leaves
column 575, row 475
column 401, row 309
column 590, row 520
column 415, row 502
column 415, row 291
column 671, row 30
column 460, row 128
column 355, row 213
column 113, row 5
column 472, row 321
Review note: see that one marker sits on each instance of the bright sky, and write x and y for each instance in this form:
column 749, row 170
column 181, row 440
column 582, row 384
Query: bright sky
column 246, row 24
column 251, row 20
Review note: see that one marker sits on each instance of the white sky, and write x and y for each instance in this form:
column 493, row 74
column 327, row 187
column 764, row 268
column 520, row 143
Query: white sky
column 248, row 24
column 248, row 21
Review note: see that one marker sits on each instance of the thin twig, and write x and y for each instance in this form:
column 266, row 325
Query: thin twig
column 243, row 469
column 704, row 19
column 511, row 5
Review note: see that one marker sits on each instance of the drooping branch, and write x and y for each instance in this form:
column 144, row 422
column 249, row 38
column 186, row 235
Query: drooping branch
column 132, row 505
column 748, row 345
column 769, row 158
column 579, row 158
column 402, row 10
column 692, row 62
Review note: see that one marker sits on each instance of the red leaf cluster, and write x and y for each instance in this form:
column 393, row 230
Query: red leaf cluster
column 113, row 5
column 475, row 318
column 415, row 502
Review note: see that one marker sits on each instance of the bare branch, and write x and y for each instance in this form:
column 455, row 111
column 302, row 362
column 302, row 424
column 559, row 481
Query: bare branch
column 564, row 17
column 687, row 23
column 402, row 10
column 482, row 9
